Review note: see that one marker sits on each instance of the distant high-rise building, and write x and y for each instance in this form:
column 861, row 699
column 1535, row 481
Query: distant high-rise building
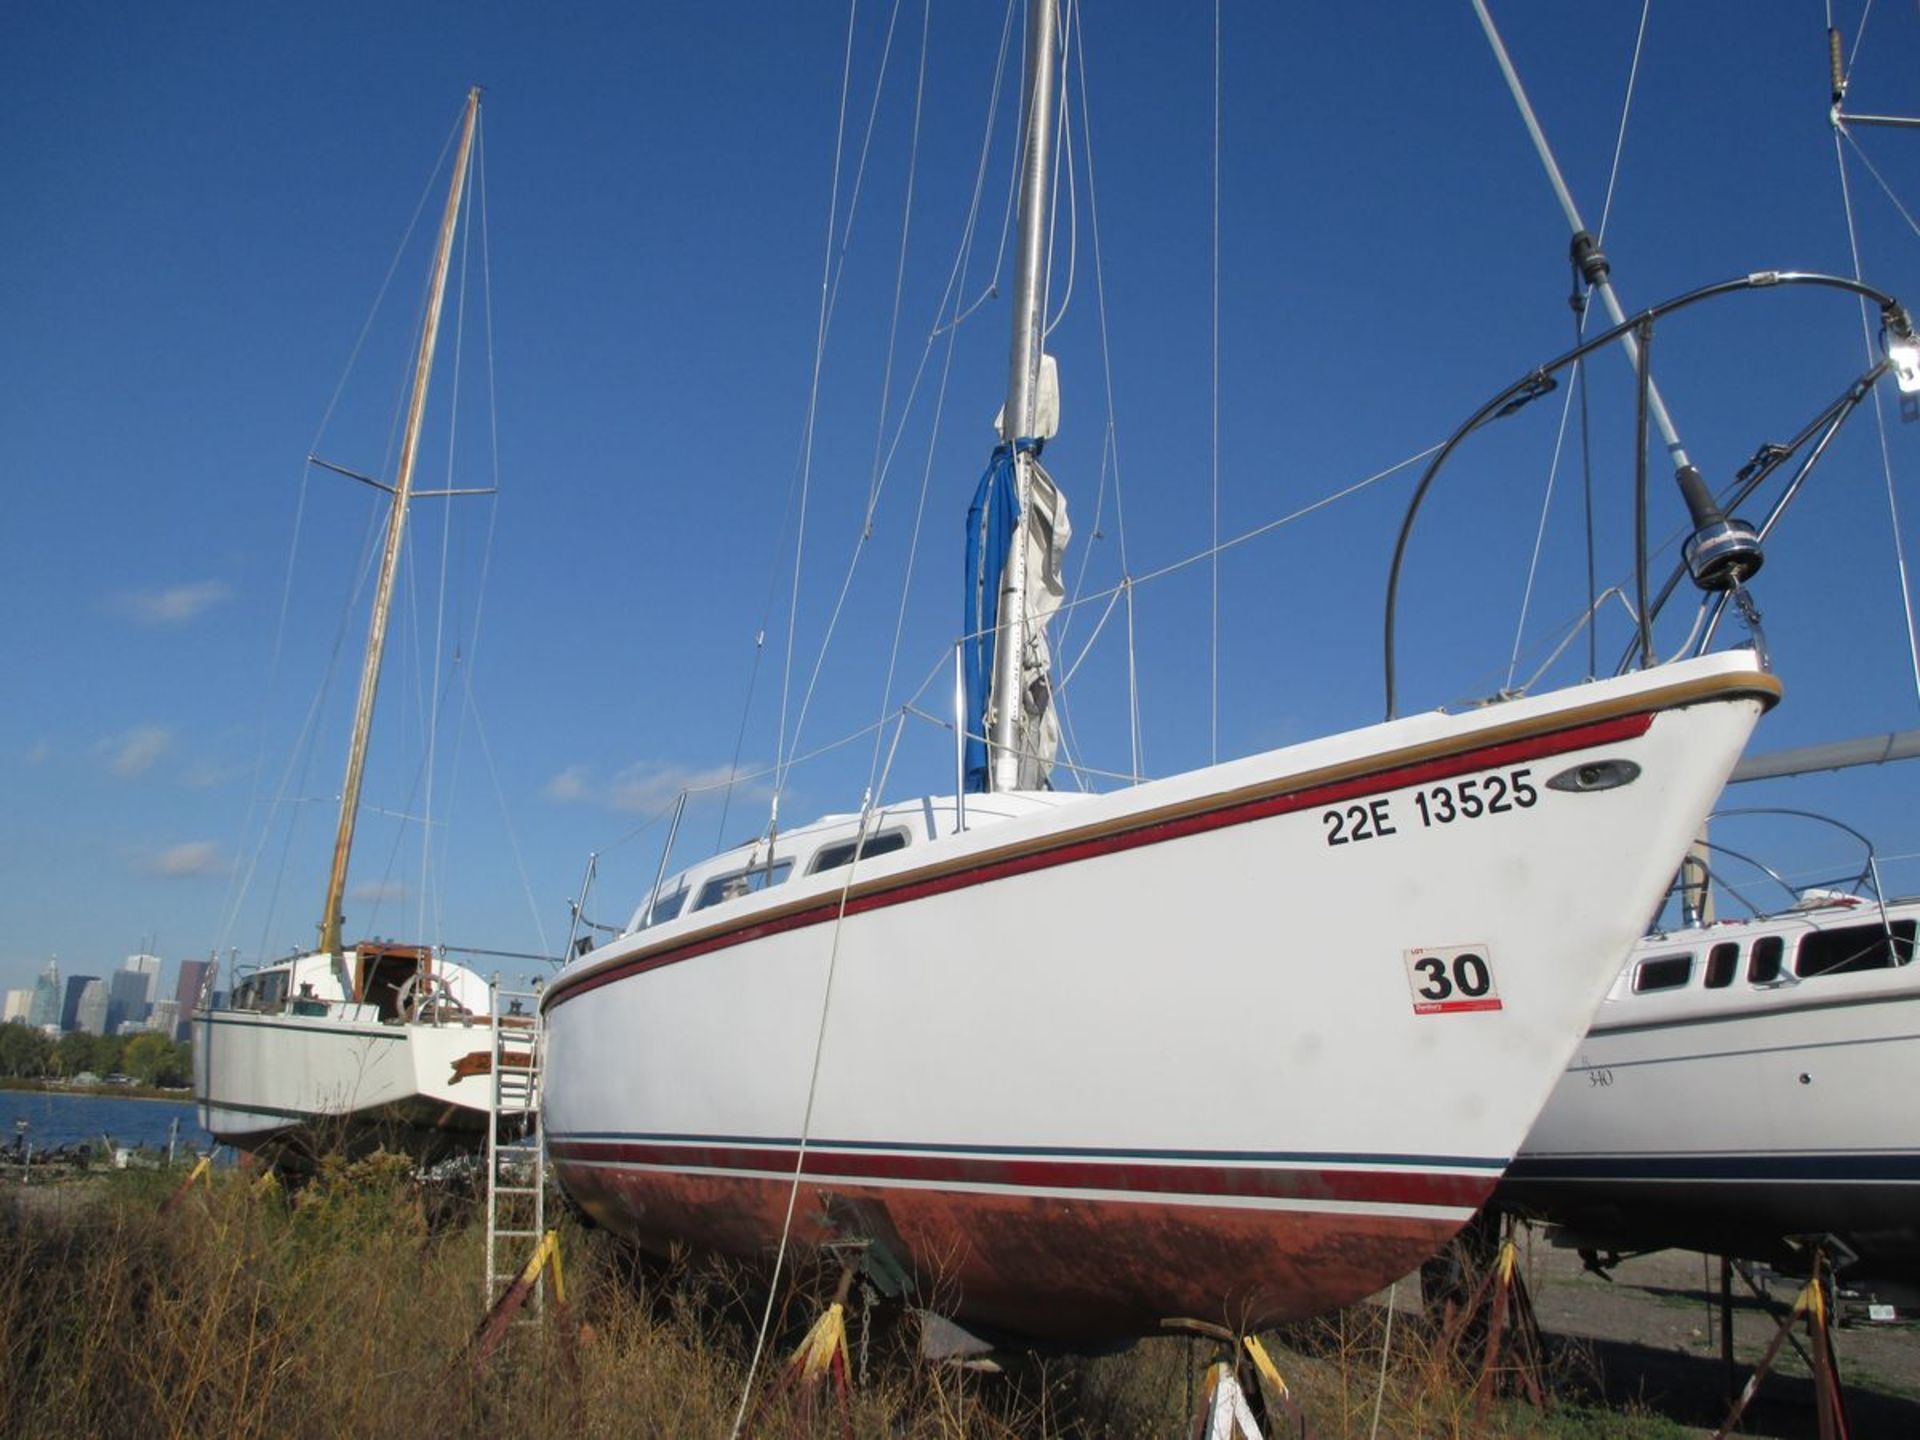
column 165, row 1019
column 18, row 1003
column 193, row 979
column 126, row 1001
column 44, row 1013
column 70, row 1001
column 90, row 1006
column 149, row 966
column 188, row 991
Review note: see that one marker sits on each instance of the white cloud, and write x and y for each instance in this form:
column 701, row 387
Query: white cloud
column 373, row 891
column 185, row 860
column 205, row 774
column 643, row 787
column 173, row 605
column 569, row 784
column 134, row 752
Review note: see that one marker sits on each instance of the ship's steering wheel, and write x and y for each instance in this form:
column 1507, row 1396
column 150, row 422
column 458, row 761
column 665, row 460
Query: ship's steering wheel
column 424, row 996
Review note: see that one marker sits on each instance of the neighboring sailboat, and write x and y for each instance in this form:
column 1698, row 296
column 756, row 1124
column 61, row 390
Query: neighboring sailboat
column 1742, row 1092
column 367, row 1043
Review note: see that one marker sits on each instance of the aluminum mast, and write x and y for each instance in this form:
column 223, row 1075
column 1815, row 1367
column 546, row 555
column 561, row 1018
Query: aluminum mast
column 331, row 919
column 1023, row 382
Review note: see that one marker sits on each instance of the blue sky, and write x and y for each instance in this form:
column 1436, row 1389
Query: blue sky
column 201, row 204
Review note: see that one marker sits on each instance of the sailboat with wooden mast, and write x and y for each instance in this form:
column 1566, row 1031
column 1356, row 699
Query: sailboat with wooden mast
column 990, row 1039
column 368, row 1042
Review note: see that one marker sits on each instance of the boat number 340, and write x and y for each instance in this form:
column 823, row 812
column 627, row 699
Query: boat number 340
column 1471, row 798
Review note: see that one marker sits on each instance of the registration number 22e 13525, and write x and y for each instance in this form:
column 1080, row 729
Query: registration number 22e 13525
column 1473, row 797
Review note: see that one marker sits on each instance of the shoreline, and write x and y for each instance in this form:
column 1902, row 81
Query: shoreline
column 105, row 1092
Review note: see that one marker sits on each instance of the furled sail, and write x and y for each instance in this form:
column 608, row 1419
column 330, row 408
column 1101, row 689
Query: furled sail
column 992, row 522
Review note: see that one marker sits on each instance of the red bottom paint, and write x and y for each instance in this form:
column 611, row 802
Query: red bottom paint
column 1047, row 1267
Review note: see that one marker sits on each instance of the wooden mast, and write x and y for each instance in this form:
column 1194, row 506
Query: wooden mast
column 331, row 919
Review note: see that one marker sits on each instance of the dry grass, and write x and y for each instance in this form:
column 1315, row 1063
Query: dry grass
column 344, row 1311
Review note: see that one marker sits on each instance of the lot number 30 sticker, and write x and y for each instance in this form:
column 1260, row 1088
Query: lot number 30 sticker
column 1449, row 979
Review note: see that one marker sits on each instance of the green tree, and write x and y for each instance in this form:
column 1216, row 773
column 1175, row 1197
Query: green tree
column 155, row 1060
column 75, row 1053
column 108, row 1054
column 25, row 1051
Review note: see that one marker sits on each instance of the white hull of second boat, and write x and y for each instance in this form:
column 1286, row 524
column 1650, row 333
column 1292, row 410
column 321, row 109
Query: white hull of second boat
column 1724, row 1119
column 334, row 1082
column 1247, row 1043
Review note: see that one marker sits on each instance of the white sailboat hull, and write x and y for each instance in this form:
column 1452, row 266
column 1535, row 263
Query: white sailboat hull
column 1245, row 1044
column 268, row 1081
column 1726, row 1120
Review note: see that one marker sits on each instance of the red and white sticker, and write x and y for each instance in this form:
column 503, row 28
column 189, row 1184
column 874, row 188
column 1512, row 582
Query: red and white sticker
column 1449, row 979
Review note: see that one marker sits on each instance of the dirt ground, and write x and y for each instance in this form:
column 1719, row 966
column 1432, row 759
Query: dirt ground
column 1653, row 1335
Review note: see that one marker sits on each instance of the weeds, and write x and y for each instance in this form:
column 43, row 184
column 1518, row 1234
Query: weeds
column 348, row 1308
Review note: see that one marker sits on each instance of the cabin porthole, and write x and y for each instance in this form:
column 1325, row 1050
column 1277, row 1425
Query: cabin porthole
column 1594, row 775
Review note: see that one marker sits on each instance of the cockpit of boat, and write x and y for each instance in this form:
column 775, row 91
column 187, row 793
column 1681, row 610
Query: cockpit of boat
column 393, row 984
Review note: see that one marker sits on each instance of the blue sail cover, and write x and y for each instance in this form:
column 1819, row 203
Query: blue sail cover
column 991, row 520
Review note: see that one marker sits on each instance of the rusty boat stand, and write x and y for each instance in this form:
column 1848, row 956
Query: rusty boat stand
column 1829, row 1403
column 820, row 1356
column 493, row 1328
column 1513, row 1354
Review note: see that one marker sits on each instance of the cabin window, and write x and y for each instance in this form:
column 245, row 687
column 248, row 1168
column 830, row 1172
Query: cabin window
column 1665, row 972
column 265, row 992
column 742, row 882
column 1763, row 965
column 1722, row 961
column 832, row 857
column 666, row 908
column 1854, row 947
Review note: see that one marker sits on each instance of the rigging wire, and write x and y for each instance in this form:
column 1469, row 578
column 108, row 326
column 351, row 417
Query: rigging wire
column 1110, row 437
column 430, row 661
column 1580, row 386
column 867, row 811
column 239, row 886
column 956, row 283
column 1063, row 147
column 1886, row 189
column 486, row 556
column 877, row 482
column 813, row 394
column 1879, row 410
column 1214, row 646
column 899, row 281
column 1013, row 175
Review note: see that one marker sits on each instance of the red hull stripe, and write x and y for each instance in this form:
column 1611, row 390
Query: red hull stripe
column 1153, row 832
column 1385, row 1187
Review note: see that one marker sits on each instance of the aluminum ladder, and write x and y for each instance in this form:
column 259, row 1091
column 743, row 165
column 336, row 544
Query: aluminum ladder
column 516, row 1159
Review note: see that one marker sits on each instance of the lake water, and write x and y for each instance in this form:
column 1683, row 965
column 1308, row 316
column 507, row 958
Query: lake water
column 55, row 1119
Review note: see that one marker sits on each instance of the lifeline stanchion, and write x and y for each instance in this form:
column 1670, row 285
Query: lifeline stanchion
column 822, row 1354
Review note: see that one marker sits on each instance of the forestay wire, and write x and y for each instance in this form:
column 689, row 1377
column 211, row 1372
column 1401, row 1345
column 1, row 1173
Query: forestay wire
column 1567, row 399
